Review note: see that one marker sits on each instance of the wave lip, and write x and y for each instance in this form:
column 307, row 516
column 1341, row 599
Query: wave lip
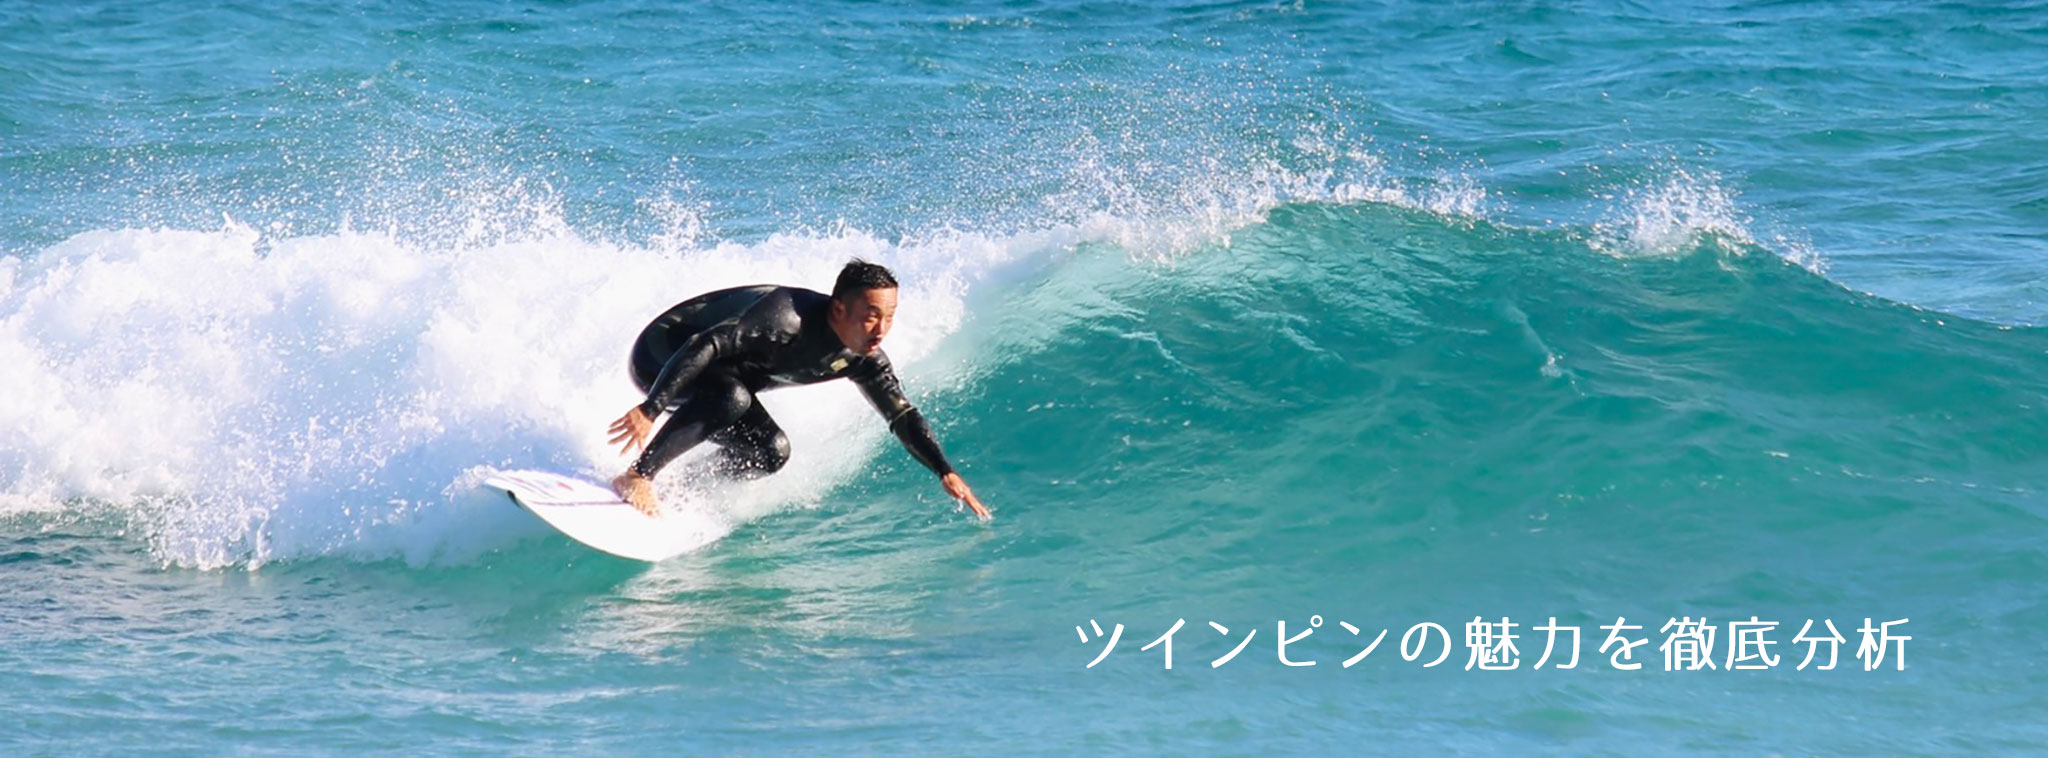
column 1682, row 210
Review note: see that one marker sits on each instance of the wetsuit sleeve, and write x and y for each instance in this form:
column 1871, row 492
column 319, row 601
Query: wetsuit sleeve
column 688, row 362
column 879, row 384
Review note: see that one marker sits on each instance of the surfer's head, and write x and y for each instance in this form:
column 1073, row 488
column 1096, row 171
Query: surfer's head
column 863, row 305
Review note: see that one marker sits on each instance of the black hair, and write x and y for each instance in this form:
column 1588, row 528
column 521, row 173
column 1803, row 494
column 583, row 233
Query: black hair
column 858, row 277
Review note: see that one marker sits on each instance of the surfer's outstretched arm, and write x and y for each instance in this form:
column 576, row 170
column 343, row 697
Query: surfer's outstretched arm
column 882, row 389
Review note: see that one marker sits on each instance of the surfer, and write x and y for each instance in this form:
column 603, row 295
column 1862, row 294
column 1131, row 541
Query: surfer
column 731, row 344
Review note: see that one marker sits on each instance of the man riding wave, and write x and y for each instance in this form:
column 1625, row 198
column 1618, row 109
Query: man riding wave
column 762, row 338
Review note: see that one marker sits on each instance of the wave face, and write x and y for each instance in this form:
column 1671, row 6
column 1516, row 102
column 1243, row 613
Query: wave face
column 1236, row 313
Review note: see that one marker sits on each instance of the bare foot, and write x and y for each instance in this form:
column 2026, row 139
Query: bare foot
column 637, row 491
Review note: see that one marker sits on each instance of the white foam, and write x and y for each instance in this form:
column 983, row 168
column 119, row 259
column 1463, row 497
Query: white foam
column 1672, row 215
column 1683, row 210
column 336, row 394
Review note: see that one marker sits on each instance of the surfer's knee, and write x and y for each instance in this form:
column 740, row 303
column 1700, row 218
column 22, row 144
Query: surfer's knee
column 716, row 402
column 725, row 400
column 769, row 454
column 755, row 457
column 775, row 454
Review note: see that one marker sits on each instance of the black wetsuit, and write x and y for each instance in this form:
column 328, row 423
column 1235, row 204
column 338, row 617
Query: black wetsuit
column 715, row 351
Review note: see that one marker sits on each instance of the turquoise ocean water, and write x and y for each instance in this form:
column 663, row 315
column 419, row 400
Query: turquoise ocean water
column 1238, row 314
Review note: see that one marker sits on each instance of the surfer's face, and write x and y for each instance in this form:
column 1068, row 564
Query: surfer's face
column 862, row 321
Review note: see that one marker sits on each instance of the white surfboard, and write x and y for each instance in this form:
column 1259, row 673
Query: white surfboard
column 593, row 515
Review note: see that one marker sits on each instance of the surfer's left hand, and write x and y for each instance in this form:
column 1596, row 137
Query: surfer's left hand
column 958, row 488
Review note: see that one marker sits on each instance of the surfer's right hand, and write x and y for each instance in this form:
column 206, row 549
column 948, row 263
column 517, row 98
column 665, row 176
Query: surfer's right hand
column 631, row 430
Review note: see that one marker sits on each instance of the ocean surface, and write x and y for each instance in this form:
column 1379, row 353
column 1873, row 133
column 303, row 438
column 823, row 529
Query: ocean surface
column 1249, row 319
